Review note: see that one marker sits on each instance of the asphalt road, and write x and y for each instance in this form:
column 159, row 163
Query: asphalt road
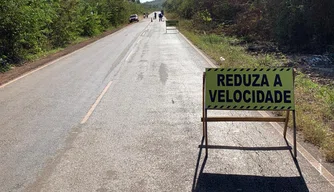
column 123, row 114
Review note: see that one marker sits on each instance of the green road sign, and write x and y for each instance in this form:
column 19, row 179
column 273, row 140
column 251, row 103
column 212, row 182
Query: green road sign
column 172, row 23
column 249, row 89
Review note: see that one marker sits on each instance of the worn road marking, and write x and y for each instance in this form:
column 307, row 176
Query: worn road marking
column 145, row 31
column 91, row 110
column 133, row 49
column 315, row 163
column 130, row 54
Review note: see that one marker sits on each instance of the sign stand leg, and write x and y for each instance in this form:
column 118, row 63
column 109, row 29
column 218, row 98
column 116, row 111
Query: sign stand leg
column 294, row 134
column 203, row 104
column 205, row 118
column 206, row 132
column 286, row 123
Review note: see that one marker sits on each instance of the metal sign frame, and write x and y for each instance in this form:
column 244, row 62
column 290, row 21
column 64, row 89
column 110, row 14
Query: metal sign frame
column 205, row 119
column 171, row 23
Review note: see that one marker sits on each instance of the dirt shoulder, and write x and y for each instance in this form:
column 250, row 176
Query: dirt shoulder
column 17, row 71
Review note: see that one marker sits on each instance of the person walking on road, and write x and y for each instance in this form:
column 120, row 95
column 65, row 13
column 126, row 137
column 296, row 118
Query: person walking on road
column 160, row 17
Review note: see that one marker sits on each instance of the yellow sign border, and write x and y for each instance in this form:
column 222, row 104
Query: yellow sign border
column 249, row 88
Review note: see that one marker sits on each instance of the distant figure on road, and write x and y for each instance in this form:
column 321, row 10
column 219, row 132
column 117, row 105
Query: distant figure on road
column 155, row 15
column 160, row 17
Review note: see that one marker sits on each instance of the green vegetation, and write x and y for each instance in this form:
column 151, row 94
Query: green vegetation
column 314, row 102
column 29, row 28
column 315, row 107
column 296, row 25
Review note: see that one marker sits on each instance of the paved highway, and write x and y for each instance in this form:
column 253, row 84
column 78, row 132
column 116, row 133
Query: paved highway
column 123, row 114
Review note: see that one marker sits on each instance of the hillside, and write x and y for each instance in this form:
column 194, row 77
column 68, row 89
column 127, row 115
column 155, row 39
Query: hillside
column 157, row 4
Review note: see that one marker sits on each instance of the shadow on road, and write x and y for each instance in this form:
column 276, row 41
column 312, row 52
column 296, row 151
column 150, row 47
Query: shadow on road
column 221, row 182
column 227, row 182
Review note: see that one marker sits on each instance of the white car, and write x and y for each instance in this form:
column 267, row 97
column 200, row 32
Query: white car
column 133, row 17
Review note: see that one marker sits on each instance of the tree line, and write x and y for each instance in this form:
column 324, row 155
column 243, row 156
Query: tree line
column 28, row 27
column 296, row 25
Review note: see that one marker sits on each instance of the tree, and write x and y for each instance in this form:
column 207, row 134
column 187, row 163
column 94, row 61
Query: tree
column 296, row 24
column 28, row 27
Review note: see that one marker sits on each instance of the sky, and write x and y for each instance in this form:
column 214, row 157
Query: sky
column 143, row 1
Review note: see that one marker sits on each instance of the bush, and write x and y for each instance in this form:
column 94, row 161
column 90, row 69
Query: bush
column 31, row 27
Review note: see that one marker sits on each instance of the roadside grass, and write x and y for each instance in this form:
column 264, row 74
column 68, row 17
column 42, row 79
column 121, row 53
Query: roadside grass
column 314, row 102
column 33, row 57
column 4, row 67
column 315, row 110
column 77, row 40
column 39, row 55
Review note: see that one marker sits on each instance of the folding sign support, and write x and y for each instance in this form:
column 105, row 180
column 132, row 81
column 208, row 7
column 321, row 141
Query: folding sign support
column 207, row 119
column 171, row 25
